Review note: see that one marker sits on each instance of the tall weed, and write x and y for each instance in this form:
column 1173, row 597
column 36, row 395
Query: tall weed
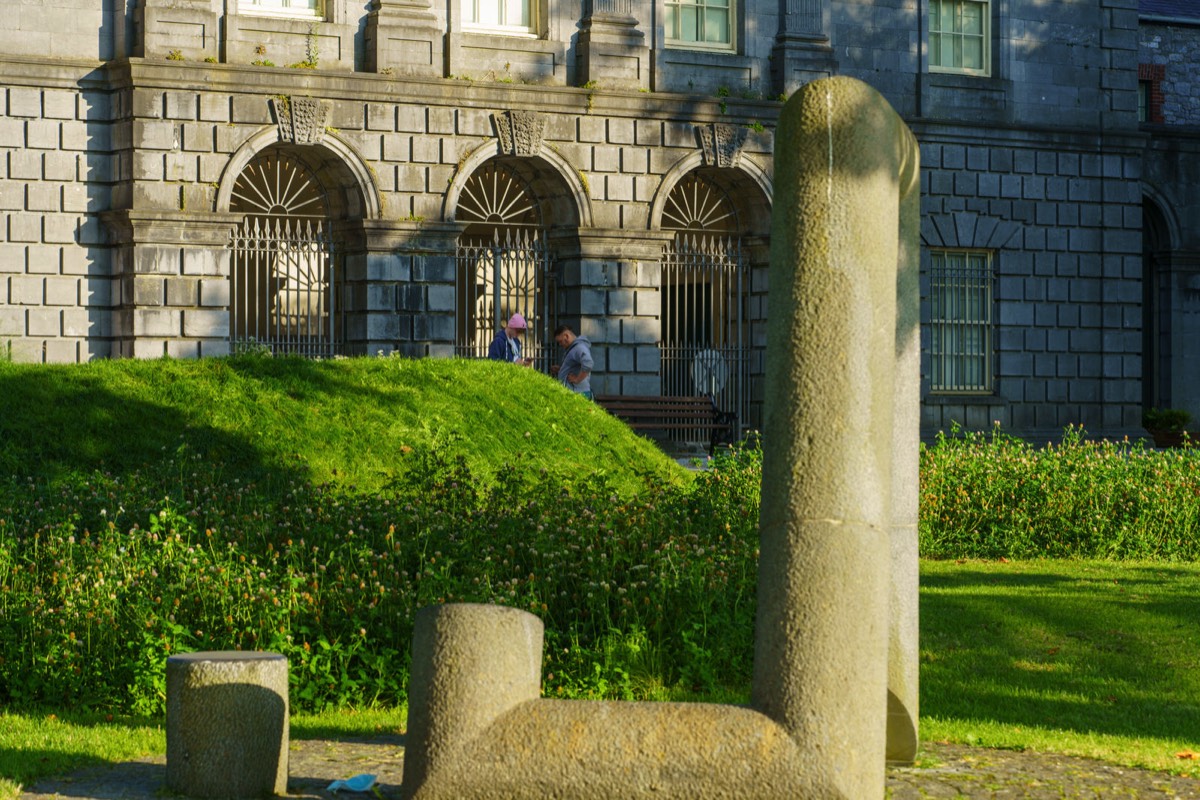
column 990, row 495
column 102, row 578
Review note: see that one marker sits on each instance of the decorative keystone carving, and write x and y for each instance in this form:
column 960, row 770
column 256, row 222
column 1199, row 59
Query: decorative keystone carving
column 301, row 119
column 520, row 132
column 722, row 144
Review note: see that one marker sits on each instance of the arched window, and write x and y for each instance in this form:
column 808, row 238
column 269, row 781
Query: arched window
column 704, row 341
column 283, row 269
column 502, row 263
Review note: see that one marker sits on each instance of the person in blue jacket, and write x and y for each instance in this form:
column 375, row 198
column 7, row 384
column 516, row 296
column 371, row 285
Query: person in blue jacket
column 576, row 369
column 507, row 344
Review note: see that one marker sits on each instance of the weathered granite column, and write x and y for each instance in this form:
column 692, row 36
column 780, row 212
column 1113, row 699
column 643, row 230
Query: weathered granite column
column 818, row 723
column 903, row 617
column 843, row 160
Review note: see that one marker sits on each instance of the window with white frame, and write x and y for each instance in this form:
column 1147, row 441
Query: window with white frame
column 299, row 9
column 959, row 36
column 700, row 24
column 501, row 16
column 960, row 321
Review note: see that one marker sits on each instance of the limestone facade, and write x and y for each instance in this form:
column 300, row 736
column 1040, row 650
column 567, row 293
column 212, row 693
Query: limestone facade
column 125, row 133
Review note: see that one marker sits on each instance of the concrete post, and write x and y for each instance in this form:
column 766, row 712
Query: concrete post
column 471, row 664
column 227, row 724
column 843, row 158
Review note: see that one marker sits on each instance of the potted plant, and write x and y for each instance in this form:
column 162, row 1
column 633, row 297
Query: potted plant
column 1166, row 425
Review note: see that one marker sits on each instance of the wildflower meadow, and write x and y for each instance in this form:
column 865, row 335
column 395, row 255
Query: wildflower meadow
column 102, row 578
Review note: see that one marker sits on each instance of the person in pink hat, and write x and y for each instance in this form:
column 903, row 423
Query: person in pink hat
column 507, row 344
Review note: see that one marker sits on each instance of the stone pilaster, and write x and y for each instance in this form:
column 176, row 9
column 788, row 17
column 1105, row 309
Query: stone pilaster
column 613, row 51
column 802, row 52
column 403, row 38
column 609, row 291
column 399, row 287
column 177, row 29
column 172, row 271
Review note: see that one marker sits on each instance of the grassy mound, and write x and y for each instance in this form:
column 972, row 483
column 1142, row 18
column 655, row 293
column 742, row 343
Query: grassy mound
column 352, row 422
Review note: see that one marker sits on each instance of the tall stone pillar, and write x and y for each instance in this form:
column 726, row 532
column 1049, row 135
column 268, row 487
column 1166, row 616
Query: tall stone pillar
column 843, row 160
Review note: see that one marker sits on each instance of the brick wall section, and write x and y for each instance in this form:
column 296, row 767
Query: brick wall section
column 1175, row 51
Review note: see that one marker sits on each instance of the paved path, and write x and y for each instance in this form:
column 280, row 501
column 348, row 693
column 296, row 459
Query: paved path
column 948, row 771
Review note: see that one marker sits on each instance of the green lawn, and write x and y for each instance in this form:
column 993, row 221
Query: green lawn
column 1087, row 658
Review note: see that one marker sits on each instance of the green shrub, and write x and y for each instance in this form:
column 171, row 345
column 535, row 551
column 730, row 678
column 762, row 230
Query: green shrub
column 1165, row 419
column 103, row 577
column 988, row 495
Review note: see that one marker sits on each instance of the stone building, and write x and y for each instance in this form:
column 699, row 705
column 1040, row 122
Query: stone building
column 189, row 177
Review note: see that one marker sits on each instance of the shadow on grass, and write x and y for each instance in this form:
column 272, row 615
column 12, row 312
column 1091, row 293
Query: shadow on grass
column 1100, row 649
column 57, row 423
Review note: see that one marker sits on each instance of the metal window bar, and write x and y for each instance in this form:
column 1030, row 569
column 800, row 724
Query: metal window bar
column 960, row 322
column 703, row 346
column 283, row 287
column 496, row 277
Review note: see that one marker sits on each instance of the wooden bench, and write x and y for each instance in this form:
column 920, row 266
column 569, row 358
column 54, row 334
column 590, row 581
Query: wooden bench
column 672, row 413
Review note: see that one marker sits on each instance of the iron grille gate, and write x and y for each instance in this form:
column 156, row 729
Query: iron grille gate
column 497, row 277
column 283, row 282
column 703, row 346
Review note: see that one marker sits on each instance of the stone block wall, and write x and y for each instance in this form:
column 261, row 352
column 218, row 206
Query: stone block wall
column 57, row 289
column 1063, row 220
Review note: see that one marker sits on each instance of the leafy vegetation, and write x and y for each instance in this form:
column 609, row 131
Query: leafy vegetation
column 988, row 495
column 310, row 508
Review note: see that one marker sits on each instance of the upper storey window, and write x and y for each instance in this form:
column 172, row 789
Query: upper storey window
column 700, row 24
column 500, row 16
column 303, row 9
column 959, row 36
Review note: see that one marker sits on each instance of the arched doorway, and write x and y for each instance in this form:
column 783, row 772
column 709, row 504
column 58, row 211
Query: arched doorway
column 704, row 289
column 285, row 267
column 502, row 261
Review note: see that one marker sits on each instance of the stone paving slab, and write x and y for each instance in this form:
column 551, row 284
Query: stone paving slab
column 947, row 771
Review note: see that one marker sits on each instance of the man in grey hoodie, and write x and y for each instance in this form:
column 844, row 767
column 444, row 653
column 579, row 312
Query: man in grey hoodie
column 576, row 369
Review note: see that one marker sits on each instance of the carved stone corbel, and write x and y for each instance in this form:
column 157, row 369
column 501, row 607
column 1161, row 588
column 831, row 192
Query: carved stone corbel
column 301, row 120
column 520, row 132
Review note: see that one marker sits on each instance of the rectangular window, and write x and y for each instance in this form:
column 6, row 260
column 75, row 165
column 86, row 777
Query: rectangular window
column 1143, row 101
column 500, row 16
column 960, row 321
column 700, row 24
column 959, row 36
column 301, row 9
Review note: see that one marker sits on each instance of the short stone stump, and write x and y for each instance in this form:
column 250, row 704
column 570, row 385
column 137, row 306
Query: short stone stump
column 227, row 724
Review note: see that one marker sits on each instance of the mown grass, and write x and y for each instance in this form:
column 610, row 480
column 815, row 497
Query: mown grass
column 310, row 508
column 1084, row 657
column 343, row 422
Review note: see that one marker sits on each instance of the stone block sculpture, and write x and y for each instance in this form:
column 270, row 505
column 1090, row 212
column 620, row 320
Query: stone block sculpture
column 834, row 691
column 227, row 724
